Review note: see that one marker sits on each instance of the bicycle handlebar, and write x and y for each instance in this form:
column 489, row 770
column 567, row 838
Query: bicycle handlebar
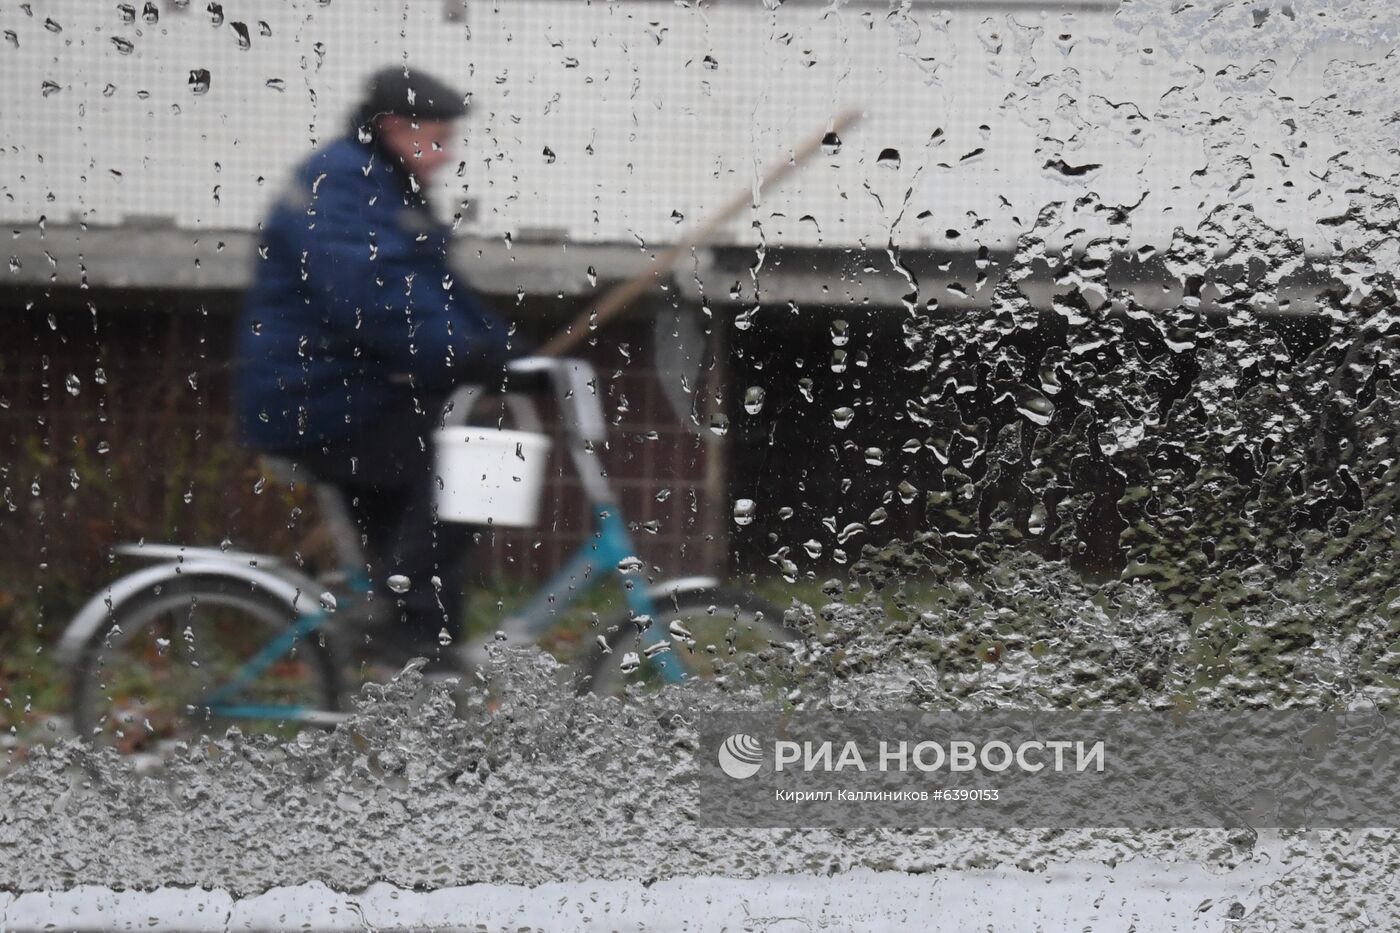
column 574, row 383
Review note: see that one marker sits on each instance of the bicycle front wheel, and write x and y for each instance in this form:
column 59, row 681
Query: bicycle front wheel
column 711, row 632
column 160, row 670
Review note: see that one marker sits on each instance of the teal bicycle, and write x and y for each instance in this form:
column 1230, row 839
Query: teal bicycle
column 207, row 637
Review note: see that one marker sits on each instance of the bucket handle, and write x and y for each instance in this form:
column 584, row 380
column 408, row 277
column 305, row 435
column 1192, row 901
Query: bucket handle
column 460, row 404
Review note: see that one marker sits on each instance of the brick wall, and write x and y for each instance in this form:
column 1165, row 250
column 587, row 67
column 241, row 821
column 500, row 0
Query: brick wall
column 146, row 431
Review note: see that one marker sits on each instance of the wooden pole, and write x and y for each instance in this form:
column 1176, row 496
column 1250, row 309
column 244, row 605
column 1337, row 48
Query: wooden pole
column 617, row 299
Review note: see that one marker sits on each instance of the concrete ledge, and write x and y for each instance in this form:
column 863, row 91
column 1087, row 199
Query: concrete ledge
column 150, row 256
column 161, row 256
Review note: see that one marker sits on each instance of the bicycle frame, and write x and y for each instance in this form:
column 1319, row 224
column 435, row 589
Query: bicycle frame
column 586, row 569
column 608, row 552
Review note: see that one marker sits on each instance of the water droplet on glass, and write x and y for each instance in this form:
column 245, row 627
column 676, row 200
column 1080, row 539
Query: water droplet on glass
column 804, row 385
column 888, row 158
column 874, row 456
column 72, row 384
column 813, row 548
column 1036, row 523
column 838, row 361
column 630, row 662
column 743, row 511
column 631, row 564
column 52, row 26
column 592, row 275
column 719, row 424
column 753, row 400
column 124, row 46
column 327, row 601
column 549, row 156
column 444, row 637
column 850, row 531
column 199, row 80
column 278, row 84
column 127, row 11
column 1035, row 407
column 680, row 633
column 49, row 88
column 788, row 569
column 831, row 144
column 99, row 376
column 398, row 583
column 710, row 64
column 843, row 416
column 785, row 512
column 149, row 13
column 907, row 492
column 840, row 333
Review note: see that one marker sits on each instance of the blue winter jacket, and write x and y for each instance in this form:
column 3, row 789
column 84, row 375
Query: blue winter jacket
column 353, row 312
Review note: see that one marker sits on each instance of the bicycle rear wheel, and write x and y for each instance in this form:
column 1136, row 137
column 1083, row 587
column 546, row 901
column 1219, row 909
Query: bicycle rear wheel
column 148, row 678
column 715, row 631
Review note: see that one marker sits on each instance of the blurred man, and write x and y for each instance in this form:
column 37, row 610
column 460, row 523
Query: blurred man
column 354, row 333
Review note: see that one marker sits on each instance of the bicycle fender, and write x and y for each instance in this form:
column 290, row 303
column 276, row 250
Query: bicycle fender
column 298, row 595
column 681, row 586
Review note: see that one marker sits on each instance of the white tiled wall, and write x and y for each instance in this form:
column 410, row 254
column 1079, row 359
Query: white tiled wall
column 656, row 112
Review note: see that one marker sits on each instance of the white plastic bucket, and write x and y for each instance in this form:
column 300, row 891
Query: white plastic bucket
column 490, row 476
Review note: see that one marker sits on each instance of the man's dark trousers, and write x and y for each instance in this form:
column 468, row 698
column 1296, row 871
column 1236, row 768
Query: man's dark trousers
column 386, row 477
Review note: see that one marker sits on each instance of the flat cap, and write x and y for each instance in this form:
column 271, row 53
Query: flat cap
column 408, row 92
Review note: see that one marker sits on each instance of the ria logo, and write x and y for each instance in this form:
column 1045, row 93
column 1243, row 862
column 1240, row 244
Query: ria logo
column 740, row 756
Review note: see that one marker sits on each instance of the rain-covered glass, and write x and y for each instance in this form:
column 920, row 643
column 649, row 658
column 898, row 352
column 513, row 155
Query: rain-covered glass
column 419, row 420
